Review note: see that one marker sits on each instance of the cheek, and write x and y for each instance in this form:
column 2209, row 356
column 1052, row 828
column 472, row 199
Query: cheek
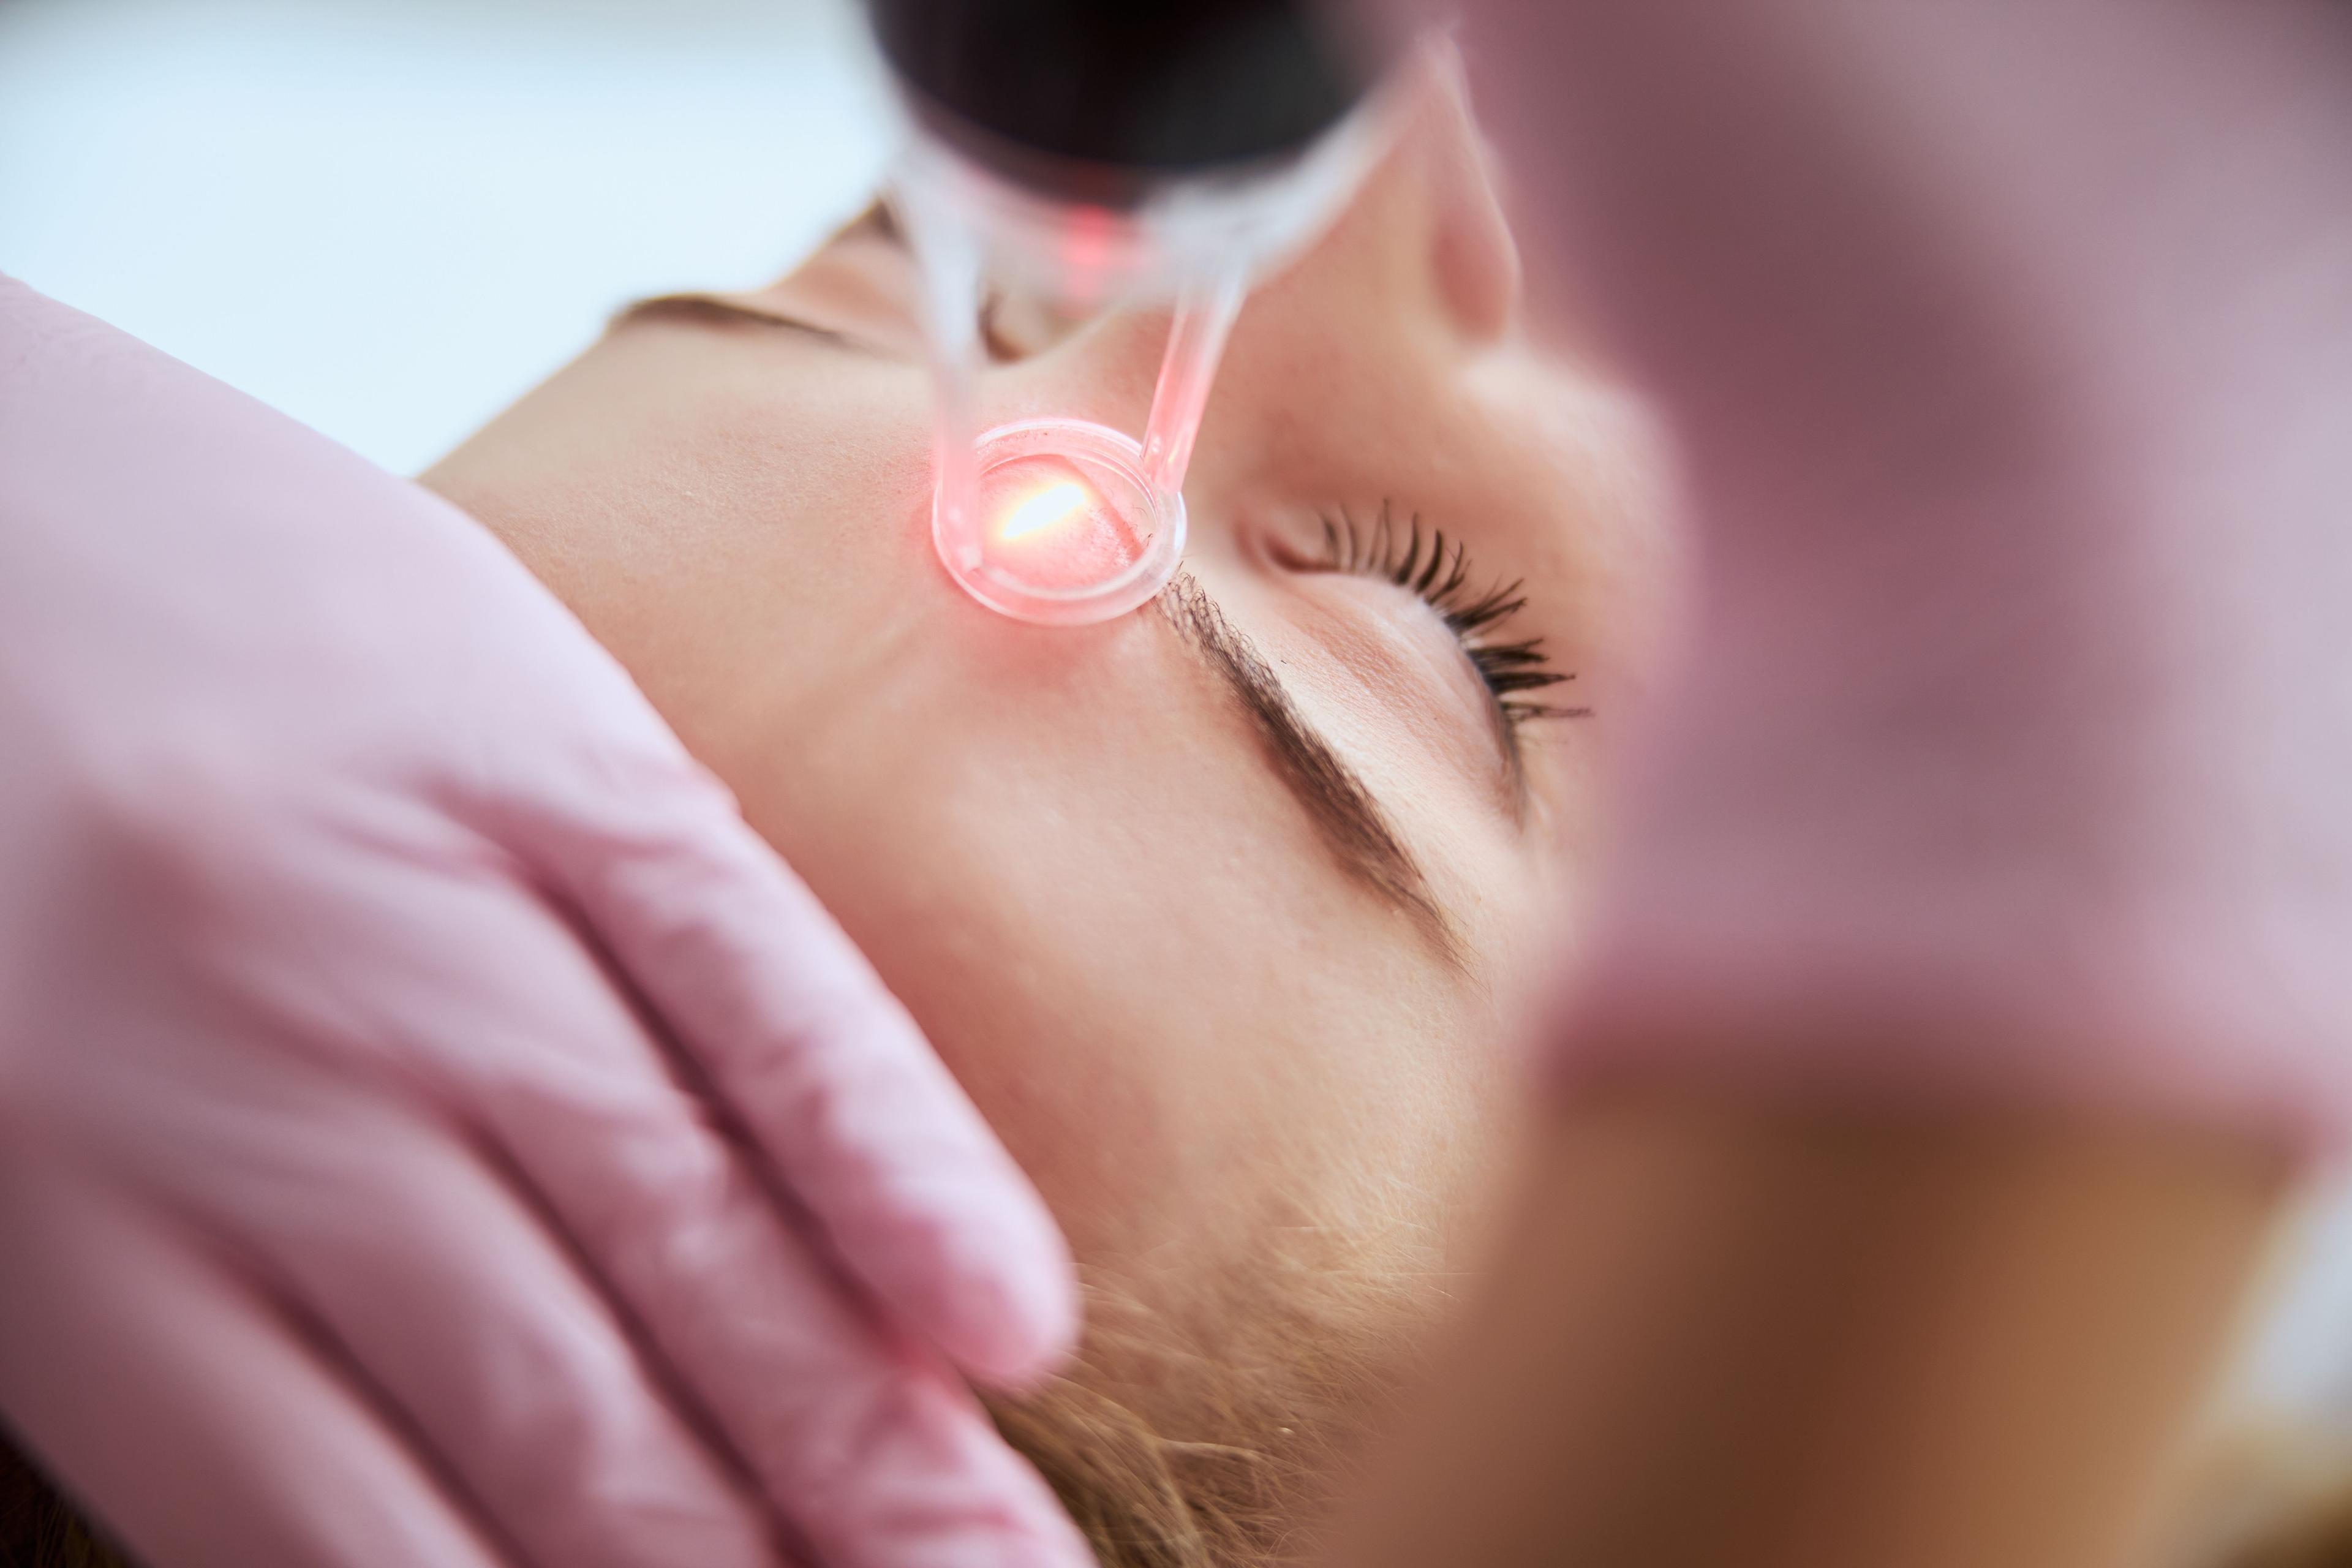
column 1175, row 1019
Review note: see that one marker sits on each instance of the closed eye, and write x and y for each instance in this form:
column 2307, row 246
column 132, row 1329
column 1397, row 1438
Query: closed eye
column 1423, row 563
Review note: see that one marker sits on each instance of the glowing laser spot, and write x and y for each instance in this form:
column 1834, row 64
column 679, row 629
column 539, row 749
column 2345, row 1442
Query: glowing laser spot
column 1050, row 507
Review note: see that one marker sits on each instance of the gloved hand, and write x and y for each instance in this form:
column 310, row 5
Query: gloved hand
column 433, row 1129
column 2010, row 344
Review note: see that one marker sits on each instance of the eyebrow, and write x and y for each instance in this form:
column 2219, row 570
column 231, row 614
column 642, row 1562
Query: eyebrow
column 715, row 309
column 1333, row 794
column 721, row 310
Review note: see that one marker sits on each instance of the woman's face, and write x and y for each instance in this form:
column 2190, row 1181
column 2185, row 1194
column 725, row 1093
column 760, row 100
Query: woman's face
column 1218, row 908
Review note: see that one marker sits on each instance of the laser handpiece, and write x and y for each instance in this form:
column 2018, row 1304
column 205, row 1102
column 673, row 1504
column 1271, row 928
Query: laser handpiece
column 1089, row 155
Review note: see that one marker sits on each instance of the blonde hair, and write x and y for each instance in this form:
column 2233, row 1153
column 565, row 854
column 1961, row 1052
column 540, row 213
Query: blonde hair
column 1216, row 1438
column 1208, row 1434
column 2268, row 1494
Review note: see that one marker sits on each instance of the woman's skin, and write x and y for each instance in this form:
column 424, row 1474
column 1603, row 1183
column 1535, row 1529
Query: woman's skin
column 1247, row 1046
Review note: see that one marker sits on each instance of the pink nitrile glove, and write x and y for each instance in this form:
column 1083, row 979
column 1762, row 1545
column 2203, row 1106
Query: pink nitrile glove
column 434, row 1129
column 2008, row 344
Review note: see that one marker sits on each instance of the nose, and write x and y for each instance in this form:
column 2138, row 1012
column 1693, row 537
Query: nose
column 1475, row 263
column 1425, row 240
column 1418, row 269
column 1430, row 217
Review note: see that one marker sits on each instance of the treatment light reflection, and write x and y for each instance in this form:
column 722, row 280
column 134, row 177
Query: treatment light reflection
column 1053, row 505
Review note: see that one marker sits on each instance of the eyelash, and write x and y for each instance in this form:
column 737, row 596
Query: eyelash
column 1424, row 566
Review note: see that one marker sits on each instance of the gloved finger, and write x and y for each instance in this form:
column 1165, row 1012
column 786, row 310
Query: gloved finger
column 867, row 1444
column 182, row 1408
column 863, row 1124
column 431, row 1274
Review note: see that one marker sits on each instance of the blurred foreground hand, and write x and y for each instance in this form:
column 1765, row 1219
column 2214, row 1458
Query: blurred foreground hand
column 2008, row 344
column 1979, row 955
column 433, row 1129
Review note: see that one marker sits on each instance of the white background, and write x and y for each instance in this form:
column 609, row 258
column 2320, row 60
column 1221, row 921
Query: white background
column 388, row 217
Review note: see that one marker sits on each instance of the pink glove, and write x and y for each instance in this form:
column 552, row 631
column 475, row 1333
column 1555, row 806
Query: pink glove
column 2010, row 343
column 433, row 1129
